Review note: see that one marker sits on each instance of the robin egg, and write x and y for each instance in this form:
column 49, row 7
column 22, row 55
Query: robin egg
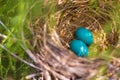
column 84, row 35
column 79, row 48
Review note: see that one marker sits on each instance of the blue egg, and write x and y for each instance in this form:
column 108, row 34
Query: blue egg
column 79, row 48
column 84, row 35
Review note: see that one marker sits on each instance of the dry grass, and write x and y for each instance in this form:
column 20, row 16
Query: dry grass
column 77, row 14
column 50, row 46
column 47, row 43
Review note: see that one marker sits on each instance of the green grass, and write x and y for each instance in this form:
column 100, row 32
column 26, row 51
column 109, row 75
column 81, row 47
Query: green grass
column 17, row 14
column 14, row 15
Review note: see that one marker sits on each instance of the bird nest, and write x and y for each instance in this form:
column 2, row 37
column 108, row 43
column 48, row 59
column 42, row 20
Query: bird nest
column 53, row 59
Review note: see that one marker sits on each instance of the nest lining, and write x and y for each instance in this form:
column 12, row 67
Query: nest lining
column 77, row 15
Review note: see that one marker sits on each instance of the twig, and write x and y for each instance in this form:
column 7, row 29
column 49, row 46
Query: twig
column 32, row 75
column 115, row 59
column 47, row 75
column 61, row 77
column 2, row 35
column 44, row 35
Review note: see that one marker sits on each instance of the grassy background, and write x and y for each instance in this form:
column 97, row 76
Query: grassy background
column 17, row 15
column 15, row 21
